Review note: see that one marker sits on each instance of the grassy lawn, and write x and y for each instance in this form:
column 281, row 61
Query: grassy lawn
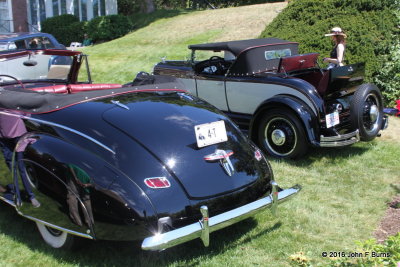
column 120, row 60
column 343, row 198
column 345, row 190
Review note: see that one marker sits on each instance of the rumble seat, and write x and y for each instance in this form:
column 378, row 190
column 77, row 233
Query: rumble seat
column 297, row 62
column 323, row 83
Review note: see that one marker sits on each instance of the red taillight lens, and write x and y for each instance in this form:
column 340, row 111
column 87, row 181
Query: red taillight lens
column 258, row 155
column 157, row 182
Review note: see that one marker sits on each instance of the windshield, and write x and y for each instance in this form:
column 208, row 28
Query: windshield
column 36, row 67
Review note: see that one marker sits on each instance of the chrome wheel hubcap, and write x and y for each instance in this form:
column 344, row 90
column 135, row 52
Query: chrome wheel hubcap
column 278, row 137
column 374, row 113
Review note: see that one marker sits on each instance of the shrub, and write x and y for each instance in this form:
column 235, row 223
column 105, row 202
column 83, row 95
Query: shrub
column 65, row 28
column 388, row 77
column 128, row 7
column 371, row 27
column 109, row 27
column 374, row 254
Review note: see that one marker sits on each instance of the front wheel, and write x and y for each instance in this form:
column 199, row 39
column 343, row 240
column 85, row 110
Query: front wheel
column 281, row 134
column 56, row 238
column 367, row 111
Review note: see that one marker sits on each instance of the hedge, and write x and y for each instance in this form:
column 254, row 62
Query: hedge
column 66, row 28
column 106, row 28
column 371, row 27
column 129, row 7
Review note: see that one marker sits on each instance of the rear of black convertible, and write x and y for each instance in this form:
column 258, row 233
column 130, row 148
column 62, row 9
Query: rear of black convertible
column 164, row 167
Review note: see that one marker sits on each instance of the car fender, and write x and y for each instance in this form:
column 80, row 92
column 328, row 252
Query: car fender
column 113, row 205
column 296, row 105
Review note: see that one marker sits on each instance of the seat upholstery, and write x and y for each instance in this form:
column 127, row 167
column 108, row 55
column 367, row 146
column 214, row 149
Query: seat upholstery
column 323, row 83
column 76, row 88
column 297, row 62
column 56, row 89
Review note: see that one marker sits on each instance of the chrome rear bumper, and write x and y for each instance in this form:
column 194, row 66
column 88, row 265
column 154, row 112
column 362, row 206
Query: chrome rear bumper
column 203, row 228
column 340, row 140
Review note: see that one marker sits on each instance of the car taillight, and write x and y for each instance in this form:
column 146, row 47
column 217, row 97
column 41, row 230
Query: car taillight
column 258, row 155
column 157, row 182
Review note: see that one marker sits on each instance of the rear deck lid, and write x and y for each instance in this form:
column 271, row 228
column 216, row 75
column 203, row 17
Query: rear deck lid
column 164, row 124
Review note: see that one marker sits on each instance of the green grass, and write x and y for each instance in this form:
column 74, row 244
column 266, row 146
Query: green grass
column 344, row 192
column 344, row 196
column 168, row 36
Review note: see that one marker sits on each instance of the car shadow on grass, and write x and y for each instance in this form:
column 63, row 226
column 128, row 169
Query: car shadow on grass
column 113, row 253
column 331, row 155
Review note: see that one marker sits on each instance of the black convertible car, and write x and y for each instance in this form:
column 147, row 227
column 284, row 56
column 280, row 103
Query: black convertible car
column 282, row 98
column 141, row 161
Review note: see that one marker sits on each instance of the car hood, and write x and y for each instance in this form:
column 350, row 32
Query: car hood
column 163, row 124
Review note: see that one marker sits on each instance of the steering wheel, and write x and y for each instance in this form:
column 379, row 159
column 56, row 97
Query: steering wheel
column 217, row 62
column 12, row 77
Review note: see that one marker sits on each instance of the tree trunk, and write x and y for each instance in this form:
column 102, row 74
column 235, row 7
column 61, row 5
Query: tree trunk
column 150, row 7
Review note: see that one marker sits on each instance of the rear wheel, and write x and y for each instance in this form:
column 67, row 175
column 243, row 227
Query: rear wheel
column 281, row 134
column 367, row 111
column 56, row 238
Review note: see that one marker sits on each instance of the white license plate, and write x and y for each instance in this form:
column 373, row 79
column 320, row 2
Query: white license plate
column 210, row 133
column 332, row 119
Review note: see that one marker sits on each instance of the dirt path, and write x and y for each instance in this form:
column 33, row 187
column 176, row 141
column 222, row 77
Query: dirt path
column 390, row 224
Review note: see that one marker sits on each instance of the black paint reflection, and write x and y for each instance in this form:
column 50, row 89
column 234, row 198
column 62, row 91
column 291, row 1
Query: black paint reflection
column 80, row 186
column 12, row 128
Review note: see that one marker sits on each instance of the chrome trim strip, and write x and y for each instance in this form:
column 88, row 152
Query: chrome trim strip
column 56, row 227
column 62, row 127
column 119, row 104
column 45, row 223
column 385, row 122
column 8, row 201
column 195, row 230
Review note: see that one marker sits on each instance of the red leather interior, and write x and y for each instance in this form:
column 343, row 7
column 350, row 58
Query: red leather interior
column 56, row 89
column 76, row 88
column 323, row 83
column 298, row 62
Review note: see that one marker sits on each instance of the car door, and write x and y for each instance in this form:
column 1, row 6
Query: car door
column 211, row 88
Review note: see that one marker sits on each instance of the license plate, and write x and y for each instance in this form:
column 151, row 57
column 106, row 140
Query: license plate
column 210, row 133
column 332, row 119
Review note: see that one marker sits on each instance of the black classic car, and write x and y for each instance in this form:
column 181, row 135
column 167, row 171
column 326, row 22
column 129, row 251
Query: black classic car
column 141, row 161
column 283, row 99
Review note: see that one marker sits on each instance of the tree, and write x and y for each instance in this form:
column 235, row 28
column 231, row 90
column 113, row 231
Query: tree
column 149, row 6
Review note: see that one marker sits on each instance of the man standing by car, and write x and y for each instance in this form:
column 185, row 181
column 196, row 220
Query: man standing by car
column 86, row 40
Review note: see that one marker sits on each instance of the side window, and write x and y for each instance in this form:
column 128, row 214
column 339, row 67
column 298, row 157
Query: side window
column 7, row 46
column 33, row 43
column 83, row 75
column 47, row 43
column 12, row 46
column 20, row 44
column 273, row 54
